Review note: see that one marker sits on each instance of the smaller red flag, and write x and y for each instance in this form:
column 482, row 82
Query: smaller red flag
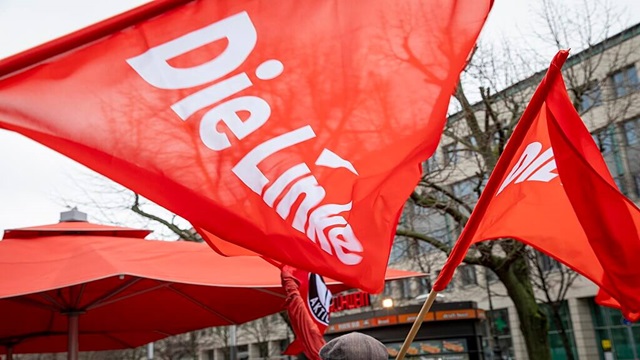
column 551, row 189
column 308, row 302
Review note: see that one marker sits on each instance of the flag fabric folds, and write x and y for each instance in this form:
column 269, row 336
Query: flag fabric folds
column 308, row 303
column 604, row 299
column 223, row 247
column 294, row 129
column 551, row 189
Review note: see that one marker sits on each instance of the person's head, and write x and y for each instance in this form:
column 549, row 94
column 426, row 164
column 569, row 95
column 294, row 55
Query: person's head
column 354, row 346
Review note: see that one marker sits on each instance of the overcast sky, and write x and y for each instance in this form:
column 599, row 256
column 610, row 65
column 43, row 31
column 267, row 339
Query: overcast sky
column 35, row 180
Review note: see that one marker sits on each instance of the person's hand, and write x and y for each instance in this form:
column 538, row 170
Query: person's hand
column 287, row 272
column 289, row 281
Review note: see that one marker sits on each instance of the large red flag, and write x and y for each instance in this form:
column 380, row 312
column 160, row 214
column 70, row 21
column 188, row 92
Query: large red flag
column 292, row 128
column 551, row 189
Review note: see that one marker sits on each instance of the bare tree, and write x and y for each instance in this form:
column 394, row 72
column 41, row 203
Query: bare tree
column 179, row 347
column 553, row 281
column 220, row 338
column 129, row 354
column 261, row 331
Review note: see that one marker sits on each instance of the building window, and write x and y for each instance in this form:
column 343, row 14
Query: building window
column 431, row 164
column 208, row 354
column 467, row 190
column 420, row 210
column 450, row 153
column 468, row 275
column 491, row 276
column 398, row 289
column 610, row 149
column 243, row 352
column 498, row 136
column 605, row 140
column 625, row 81
column 631, row 130
column 404, row 286
column 558, row 350
column 474, row 145
column 399, row 250
column 388, row 289
column 283, row 345
column 547, row 263
column 263, row 349
column 226, row 352
column 464, row 189
column 423, row 285
column 500, row 334
column 591, row 97
column 611, row 329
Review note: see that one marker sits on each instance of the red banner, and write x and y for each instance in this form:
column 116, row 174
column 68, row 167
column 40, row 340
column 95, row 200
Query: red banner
column 294, row 129
column 551, row 189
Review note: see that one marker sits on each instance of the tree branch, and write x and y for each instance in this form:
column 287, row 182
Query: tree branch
column 435, row 243
column 189, row 235
column 433, row 203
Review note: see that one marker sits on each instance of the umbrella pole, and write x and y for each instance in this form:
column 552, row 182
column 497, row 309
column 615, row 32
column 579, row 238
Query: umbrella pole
column 10, row 352
column 72, row 348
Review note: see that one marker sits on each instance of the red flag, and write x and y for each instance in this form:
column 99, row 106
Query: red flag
column 293, row 129
column 223, row 247
column 604, row 299
column 308, row 303
column 573, row 213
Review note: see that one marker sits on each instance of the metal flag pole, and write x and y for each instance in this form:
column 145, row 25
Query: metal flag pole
column 416, row 324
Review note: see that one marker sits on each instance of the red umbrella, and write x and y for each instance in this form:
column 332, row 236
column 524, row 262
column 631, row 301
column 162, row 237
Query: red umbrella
column 80, row 286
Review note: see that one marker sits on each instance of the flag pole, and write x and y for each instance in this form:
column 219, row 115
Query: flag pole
column 416, row 324
column 464, row 240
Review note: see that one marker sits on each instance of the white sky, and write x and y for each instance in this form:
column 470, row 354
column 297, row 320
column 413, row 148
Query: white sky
column 34, row 180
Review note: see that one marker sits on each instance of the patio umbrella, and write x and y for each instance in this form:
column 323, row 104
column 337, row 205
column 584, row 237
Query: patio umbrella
column 77, row 286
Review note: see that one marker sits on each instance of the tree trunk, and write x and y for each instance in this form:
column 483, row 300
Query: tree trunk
column 533, row 322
